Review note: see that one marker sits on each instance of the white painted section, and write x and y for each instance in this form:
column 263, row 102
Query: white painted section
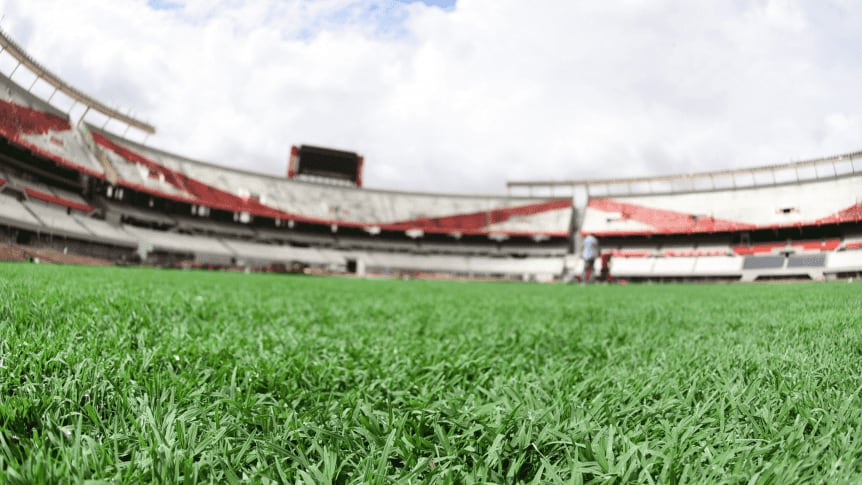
column 718, row 265
column 104, row 231
column 597, row 221
column 249, row 251
column 68, row 145
column 179, row 242
column 13, row 212
column 139, row 175
column 850, row 260
column 56, row 218
column 630, row 267
column 682, row 266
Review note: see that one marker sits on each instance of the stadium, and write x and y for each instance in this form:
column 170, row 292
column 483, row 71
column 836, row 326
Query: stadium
column 348, row 380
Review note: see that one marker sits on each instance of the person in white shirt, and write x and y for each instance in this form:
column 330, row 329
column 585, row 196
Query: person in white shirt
column 589, row 255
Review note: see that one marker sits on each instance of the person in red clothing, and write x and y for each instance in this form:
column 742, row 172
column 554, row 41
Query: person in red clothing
column 605, row 274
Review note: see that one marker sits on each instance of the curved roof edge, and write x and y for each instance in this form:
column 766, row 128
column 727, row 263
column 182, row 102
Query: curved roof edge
column 716, row 180
column 16, row 51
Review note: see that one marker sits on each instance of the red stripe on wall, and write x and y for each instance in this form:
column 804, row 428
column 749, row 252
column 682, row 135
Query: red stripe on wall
column 204, row 194
column 21, row 120
column 478, row 220
column 44, row 196
column 666, row 221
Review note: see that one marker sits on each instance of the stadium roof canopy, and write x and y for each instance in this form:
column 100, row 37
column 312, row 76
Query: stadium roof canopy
column 16, row 51
column 785, row 173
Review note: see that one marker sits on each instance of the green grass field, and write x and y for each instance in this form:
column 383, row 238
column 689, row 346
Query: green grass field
column 140, row 375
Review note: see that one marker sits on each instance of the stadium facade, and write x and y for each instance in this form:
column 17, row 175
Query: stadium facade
column 74, row 187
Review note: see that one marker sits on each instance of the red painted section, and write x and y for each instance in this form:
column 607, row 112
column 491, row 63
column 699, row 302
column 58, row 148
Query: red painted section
column 807, row 245
column 850, row 214
column 671, row 222
column 291, row 164
column 740, row 250
column 2, row 182
column 759, row 248
column 664, row 221
column 619, row 253
column 695, row 253
column 818, row 245
column 360, row 164
column 17, row 121
column 44, row 196
column 477, row 220
column 853, row 245
column 203, row 194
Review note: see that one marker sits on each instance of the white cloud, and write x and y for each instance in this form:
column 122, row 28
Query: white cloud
column 464, row 99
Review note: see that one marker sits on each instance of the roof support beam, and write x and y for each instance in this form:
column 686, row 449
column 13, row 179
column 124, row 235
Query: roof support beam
column 10, row 46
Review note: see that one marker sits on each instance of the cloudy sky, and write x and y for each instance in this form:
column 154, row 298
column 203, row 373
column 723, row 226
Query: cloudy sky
column 461, row 96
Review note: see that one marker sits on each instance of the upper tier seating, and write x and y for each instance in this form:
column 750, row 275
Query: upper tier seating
column 31, row 123
column 853, row 240
column 818, row 245
column 744, row 209
column 170, row 176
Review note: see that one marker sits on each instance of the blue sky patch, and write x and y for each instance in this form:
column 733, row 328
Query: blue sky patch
column 444, row 4
column 163, row 4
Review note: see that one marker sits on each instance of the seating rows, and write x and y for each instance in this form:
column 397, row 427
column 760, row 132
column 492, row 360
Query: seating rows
column 52, row 195
column 853, row 240
column 167, row 175
column 27, row 121
column 818, row 245
column 14, row 213
column 681, row 250
column 744, row 209
column 57, row 219
column 746, row 267
column 106, row 232
column 49, row 218
column 181, row 243
column 641, row 249
column 33, row 124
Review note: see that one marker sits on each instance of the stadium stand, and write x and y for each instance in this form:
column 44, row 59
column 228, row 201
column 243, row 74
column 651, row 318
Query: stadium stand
column 170, row 176
column 57, row 221
column 35, row 125
column 718, row 266
column 69, row 186
column 747, row 209
column 14, row 213
column 775, row 221
column 205, row 249
column 106, row 232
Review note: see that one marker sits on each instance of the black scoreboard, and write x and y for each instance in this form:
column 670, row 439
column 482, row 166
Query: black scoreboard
column 325, row 163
